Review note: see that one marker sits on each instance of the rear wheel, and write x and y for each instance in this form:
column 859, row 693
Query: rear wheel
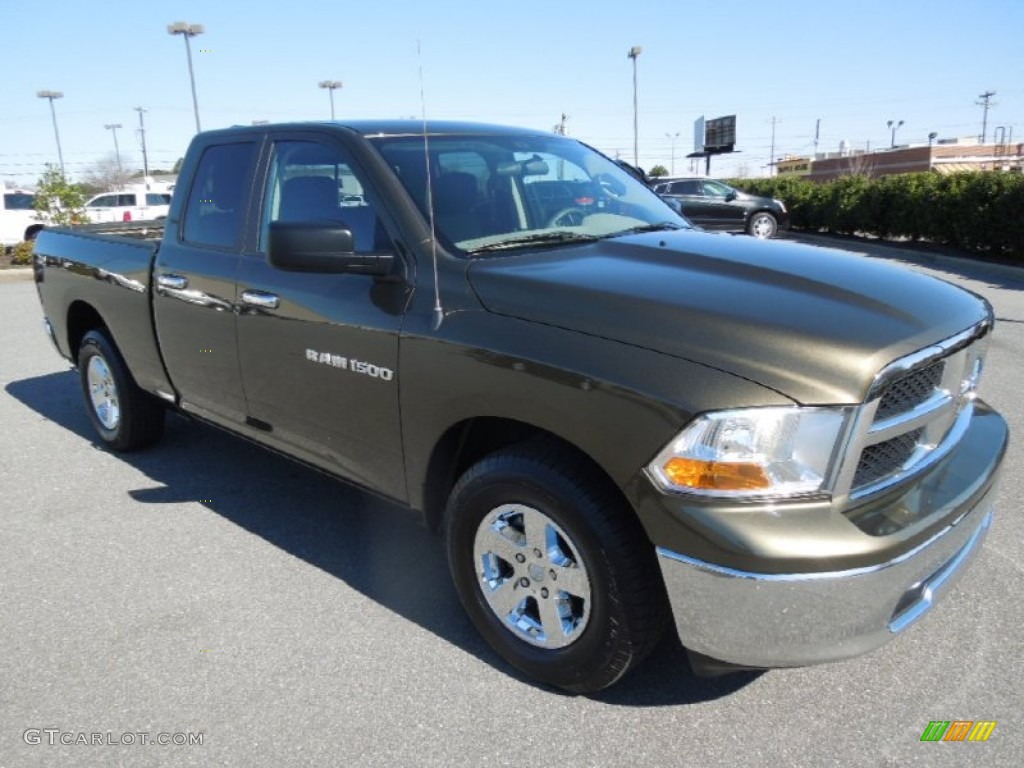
column 125, row 417
column 555, row 573
column 762, row 225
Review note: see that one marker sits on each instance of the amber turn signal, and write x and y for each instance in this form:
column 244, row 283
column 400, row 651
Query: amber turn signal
column 715, row 475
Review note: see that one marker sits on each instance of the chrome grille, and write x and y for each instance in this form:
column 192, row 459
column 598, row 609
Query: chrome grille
column 912, row 390
column 916, row 411
column 881, row 459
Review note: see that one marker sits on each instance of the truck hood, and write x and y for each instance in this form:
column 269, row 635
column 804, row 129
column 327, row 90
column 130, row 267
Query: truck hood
column 814, row 324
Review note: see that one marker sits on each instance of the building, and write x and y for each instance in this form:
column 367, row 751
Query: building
column 944, row 156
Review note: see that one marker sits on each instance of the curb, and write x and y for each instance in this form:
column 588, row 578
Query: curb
column 1005, row 272
column 15, row 274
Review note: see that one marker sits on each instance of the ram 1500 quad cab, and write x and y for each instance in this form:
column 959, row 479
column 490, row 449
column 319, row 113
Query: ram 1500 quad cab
column 616, row 421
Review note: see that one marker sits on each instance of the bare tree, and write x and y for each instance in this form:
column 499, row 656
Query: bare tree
column 859, row 164
column 103, row 175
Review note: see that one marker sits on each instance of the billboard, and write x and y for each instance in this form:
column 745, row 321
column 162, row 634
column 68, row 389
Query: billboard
column 720, row 134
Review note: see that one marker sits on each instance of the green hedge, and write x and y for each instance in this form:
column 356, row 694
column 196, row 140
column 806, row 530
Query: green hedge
column 978, row 211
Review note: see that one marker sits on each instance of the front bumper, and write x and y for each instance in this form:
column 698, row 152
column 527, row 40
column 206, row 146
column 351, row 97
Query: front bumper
column 756, row 614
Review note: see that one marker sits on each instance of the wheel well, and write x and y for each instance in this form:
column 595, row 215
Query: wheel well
column 82, row 318
column 33, row 230
column 465, row 443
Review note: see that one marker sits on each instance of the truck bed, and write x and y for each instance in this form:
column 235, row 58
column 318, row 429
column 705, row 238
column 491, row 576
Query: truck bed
column 106, row 266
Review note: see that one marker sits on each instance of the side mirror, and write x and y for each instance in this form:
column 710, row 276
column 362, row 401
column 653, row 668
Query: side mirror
column 730, row 196
column 304, row 246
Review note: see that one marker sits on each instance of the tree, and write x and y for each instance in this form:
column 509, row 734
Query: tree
column 177, row 165
column 658, row 171
column 104, row 175
column 58, row 201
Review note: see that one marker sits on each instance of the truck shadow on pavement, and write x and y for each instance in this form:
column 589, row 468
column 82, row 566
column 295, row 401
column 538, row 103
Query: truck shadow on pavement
column 367, row 542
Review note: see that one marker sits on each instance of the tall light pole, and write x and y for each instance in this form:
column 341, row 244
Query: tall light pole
column 893, row 125
column 331, row 85
column 112, row 127
column 634, row 52
column 672, row 138
column 51, row 95
column 187, row 31
column 145, row 158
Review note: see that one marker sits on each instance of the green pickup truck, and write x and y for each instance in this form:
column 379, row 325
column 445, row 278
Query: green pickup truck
column 617, row 423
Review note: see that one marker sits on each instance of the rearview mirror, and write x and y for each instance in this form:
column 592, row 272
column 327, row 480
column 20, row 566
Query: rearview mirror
column 304, row 246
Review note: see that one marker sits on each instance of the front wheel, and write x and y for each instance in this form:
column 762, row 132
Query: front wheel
column 554, row 571
column 125, row 417
column 762, row 225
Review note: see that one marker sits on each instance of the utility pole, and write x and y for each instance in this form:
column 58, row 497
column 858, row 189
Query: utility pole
column 771, row 163
column 817, row 135
column 145, row 158
column 560, row 129
column 985, row 103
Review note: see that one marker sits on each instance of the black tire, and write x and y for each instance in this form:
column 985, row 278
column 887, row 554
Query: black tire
column 762, row 225
column 627, row 610
column 125, row 417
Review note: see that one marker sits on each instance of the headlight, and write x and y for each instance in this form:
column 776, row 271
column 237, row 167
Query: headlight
column 753, row 452
column 782, row 205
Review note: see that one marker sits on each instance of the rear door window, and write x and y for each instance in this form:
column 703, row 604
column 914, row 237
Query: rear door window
column 216, row 211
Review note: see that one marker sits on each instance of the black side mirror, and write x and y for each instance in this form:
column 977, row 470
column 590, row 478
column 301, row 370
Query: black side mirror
column 730, row 196
column 304, row 246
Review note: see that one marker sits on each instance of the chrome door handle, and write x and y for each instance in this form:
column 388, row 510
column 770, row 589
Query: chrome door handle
column 174, row 282
column 260, row 299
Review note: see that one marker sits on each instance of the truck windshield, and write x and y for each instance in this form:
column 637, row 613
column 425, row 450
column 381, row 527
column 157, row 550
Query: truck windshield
column 496, row 193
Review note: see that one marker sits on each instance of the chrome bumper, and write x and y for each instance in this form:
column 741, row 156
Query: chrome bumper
column 781, row 620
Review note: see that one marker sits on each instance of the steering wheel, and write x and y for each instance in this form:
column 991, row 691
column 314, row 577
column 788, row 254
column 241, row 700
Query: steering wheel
column 574, row 217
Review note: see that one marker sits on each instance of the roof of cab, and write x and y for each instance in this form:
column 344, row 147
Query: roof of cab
column 372, row 128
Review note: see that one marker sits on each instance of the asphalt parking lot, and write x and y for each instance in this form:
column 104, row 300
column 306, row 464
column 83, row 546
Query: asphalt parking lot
column 209, row 587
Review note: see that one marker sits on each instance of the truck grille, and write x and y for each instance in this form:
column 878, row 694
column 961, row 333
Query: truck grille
column 914, row 414
column 907, row 393
column 881, row 459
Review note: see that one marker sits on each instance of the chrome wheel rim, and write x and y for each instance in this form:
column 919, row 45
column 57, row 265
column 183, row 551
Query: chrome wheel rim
column 532, row 576
column 103, row 393
column 763, row 227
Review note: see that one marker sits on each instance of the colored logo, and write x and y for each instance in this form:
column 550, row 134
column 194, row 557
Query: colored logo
column 958, row 730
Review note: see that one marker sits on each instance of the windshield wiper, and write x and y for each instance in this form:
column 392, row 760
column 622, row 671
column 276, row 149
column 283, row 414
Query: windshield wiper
column 659, row 227
column 544, row 238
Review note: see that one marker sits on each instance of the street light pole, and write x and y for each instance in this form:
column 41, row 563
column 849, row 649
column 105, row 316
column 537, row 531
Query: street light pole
column 893, row 125
column 672, row 138
column 51, row 95
column 187, row 31
column 634, row 52
column 112, row 127
column 331, row 85
column 145, row 158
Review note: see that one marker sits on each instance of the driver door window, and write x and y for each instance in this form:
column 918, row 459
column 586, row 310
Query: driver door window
column 313, row 182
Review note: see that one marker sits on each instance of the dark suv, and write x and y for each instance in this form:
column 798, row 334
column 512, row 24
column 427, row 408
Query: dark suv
column 714, row 205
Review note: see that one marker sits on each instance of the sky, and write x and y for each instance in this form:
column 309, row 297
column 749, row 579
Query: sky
column 853, row 66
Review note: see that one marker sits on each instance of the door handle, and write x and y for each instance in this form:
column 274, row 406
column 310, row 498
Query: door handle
column 260, row 299
column 174, row 282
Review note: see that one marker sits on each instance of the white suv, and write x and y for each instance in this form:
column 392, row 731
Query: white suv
column 133, row 204
column 17, row 215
